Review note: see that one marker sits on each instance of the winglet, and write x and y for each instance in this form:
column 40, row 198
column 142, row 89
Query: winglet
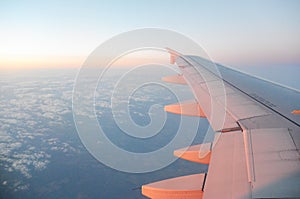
column 173, row 55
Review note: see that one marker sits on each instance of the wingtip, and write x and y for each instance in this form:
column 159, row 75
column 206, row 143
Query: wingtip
column 172, row 51
column 173, row 55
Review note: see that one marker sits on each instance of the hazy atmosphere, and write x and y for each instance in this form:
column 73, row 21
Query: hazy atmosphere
column 43, row 46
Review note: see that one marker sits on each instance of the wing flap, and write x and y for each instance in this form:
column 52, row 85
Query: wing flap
column 227, row 173
column 277, row 163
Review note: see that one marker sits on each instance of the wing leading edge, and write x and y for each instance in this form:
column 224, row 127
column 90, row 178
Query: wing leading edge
column 255, row 153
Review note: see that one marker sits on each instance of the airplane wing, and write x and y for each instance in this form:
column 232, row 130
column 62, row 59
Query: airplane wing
column 255, row 153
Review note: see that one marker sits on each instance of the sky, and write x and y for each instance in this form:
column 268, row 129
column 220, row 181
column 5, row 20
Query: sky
column 63, row 33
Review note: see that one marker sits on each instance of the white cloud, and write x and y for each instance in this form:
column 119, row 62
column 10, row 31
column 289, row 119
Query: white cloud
column 28, row 111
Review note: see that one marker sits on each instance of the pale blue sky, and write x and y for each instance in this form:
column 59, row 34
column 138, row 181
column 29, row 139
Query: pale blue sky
column 234, row 32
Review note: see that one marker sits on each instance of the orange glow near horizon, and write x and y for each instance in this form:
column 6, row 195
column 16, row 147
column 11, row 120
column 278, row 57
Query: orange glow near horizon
column 14, row 62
